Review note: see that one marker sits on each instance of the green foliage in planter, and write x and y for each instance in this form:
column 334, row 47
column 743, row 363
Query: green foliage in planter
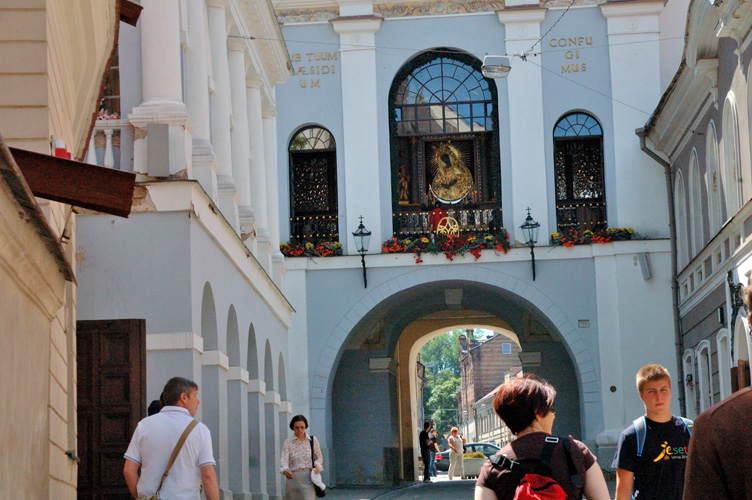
column 474, row 454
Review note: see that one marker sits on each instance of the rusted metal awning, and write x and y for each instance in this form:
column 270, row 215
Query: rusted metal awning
column 76, row 183
column 11, row 174
column 129, row 12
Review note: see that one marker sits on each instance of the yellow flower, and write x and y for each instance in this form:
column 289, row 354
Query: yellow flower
column 424, row 240
column 337, row 244
column 554, row 236
column 309, row 245
column 406, row 242
column 630, row 230
column 488, row 238
column 588, row 233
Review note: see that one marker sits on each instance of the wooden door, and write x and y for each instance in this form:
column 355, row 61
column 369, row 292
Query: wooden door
column 111, row 401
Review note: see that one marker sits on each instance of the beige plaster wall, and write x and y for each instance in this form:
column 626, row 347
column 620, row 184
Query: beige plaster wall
column 33, row 293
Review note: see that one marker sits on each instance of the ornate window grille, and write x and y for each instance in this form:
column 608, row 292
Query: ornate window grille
column 313, row 186
column 440, row 103
column 578, row 173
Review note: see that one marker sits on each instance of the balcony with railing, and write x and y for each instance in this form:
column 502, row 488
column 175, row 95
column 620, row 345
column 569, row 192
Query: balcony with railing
column 105, row 142
column 470, row 221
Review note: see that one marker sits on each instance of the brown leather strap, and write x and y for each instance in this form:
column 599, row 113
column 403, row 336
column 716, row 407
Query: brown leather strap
column 175, row 452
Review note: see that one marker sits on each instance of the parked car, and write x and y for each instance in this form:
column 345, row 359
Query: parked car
column 488, row 449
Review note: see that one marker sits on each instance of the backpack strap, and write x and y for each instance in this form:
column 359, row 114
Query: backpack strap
column 313, row 465
column 688, row 425
column 641, row 427
column 175, row 452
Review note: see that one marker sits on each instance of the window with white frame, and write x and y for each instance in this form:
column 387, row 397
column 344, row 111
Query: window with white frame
column 705, row 375
column 713, row 180
column 695, row 204
column 506, row 348
column 689, row 381
column 682, row 237
column 724, row 362
column 732, row 175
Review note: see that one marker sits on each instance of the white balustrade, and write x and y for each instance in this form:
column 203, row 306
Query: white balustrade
column 107, row 130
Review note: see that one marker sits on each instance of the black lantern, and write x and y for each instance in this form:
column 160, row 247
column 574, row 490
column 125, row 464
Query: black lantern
column 530, row 230
column 362, row 240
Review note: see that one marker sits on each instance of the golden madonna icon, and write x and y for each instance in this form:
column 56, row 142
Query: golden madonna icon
column 452, row 180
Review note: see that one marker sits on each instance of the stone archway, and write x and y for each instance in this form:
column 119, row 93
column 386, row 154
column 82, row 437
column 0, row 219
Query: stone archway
column 370, row 375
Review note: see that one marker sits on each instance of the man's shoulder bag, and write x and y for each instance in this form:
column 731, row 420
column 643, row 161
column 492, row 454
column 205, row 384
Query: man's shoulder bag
column 174, row 455
column 535, row 476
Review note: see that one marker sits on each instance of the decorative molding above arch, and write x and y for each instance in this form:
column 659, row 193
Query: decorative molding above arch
column 577, row 347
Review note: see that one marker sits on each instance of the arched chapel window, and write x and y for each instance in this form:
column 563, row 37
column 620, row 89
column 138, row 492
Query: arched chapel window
column 444, row 144
column 313, row 185
column 578, row 173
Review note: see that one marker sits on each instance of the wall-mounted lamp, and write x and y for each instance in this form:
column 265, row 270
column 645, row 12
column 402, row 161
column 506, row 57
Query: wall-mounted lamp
column 496, row 66
column 362, row 240
column 530, row 230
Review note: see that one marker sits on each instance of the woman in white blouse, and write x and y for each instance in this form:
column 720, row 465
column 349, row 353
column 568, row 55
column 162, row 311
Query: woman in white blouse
column 297, row 461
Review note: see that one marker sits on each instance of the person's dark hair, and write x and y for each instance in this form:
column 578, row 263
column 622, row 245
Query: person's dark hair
column 174, row 388
column 298, row 418
column 154, row 408
column 521, row 399
column 426, row 425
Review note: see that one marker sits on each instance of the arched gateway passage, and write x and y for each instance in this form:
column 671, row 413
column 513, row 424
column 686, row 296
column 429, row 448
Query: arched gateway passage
column 372, row 410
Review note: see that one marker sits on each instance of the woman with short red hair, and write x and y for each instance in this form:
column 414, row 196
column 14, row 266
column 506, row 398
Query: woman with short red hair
column 526, row 405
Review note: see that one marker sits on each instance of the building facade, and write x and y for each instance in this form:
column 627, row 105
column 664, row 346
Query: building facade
column 194, row 278
column 52, row 59
column 388, row 116
column 700, row 134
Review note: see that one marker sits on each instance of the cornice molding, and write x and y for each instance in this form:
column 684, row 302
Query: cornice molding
column 630, row 9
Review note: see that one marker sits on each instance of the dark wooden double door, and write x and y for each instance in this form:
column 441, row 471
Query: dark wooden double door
column 111, row 359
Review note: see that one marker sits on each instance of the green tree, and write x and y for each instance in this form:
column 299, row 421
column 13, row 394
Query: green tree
column 441, row 406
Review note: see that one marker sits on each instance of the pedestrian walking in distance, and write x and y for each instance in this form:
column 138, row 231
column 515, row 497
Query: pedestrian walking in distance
column 652, row 452
column 526, row 405
column 425, row 451
column 456, row 453
column 299, row 459
column 158, row 436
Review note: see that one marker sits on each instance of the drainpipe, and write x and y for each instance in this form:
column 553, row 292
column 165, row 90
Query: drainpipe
column 678, row 340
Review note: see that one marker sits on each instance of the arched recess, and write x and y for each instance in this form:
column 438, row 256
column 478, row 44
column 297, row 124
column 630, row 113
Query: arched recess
column 579, row 184
column 233, row 338
column 271, row 423
column 716, row 198
column 705, row 374
column 444, row 142
column 690, row 381
column 695, row 205
column 682, row 235
column 732, row 172
column 375, row 351
column 723, row 347
column 313, row 185
column 209, row 320
column 741, row 343
column 252, row 362
column 268, row 367
column 284, row 415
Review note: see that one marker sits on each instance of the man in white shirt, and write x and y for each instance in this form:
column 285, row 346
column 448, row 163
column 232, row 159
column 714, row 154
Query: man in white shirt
column 155, row 439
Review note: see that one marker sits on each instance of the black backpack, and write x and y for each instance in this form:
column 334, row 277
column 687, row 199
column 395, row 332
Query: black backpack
column 534, row 476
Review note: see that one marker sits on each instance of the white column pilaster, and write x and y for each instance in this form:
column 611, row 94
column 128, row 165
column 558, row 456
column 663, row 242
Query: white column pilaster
column 259, row 185
column 633, row 34
column 272, row 196
column 237, row 401
column 527, row 135
column 214, row 370
column 205, row 165
column 257, row 438
column 360, row 124
column 162, row 90
column 273, row 446
column 240, row 140
column 220, row 111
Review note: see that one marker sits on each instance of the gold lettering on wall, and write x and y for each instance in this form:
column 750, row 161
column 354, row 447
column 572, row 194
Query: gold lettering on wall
column 309, row 64
column 572, row 54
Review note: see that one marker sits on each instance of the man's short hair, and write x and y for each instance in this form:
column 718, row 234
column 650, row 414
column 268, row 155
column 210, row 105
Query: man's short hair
column 746, row 294
column 426, row 425
column 174, row 388
column 651, row 373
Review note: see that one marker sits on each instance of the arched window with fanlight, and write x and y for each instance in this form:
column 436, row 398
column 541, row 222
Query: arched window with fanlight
column 444, row 144
column 313, row 186
column 578, row 173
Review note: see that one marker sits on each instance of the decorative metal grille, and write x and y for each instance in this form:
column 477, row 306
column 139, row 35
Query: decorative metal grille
column 313, row 186
column 578, row 172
